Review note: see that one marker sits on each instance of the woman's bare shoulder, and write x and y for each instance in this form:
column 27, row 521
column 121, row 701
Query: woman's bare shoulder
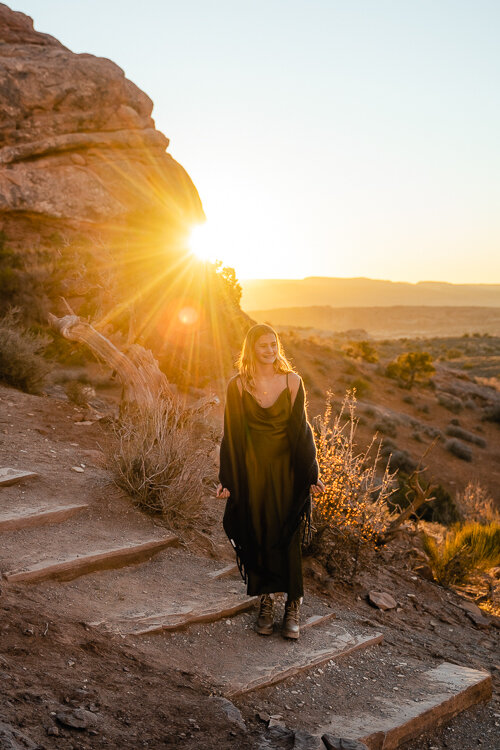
column 294, row 382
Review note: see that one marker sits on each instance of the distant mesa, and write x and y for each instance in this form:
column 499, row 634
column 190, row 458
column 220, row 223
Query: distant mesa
column 386, row 322
column 267, row 294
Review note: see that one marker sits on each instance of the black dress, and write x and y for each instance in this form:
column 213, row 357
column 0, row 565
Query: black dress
column 269, row 469
column 268, row 463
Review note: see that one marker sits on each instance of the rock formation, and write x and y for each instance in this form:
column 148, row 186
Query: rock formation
column 78, row 146
column 92, row 207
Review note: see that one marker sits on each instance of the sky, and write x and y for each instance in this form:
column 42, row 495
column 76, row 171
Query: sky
column 325, row 137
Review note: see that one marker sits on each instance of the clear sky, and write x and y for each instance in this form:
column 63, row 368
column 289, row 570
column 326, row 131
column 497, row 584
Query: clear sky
column 325, row 137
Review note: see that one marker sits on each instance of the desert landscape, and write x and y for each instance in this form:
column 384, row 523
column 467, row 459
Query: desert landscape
column 125, row 622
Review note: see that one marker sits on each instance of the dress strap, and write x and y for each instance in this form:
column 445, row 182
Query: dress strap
column 287, row 380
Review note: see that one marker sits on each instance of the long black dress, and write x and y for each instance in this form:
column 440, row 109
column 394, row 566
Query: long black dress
column 268, row 462
column 270, row 491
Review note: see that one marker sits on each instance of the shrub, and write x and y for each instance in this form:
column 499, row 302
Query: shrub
column 386, row 427
column 476, row 504
column 21, row 364
column 79, row 393
column 450, row 402
column 458, row 432
column 458, row 449
column 441, row 509
column 163, row 461
column 492, row 413
column 465, row 550
column 361, row 350
column 411, row 367
column 361, row 386
column 352, row 512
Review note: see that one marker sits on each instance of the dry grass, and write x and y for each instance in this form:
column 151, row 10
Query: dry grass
column 476, row 504
column 162, row 459
column 352, row 513
column 464, row 551
column 21, row 364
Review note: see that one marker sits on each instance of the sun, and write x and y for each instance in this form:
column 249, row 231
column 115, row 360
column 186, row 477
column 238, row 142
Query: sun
column 203, row 243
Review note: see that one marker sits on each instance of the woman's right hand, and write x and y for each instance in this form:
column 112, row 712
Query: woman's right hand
column 222, row 492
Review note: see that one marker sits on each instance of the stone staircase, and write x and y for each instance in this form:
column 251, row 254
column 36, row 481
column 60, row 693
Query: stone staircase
column 137, row 581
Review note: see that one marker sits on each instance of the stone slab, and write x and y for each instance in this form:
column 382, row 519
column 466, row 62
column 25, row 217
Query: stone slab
column 448, row 689
column 78, row 565
column 228, row 570
column 176, row 618
column 22, row 518
column 13, row 476
column 331, row 643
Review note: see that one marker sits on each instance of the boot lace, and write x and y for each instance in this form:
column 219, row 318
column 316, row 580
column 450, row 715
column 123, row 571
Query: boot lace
column 266, row 605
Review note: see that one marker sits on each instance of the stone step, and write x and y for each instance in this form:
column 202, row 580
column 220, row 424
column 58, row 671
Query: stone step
column 76, row 564
column 235, row 660
column 13, row 476
column 176, row 618
column 444, row 691
column 173, row 591
column 334, row 642
column 226, row 571
column 24, row 517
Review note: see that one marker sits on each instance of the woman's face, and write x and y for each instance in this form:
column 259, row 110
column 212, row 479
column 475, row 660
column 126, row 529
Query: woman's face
column 266, row 349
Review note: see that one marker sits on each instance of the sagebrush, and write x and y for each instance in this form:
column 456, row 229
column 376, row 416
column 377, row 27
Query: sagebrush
column 21, row 362
column 163, row 459
column 351, row 515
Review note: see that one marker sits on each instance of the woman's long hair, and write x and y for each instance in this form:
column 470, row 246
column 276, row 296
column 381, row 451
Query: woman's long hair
column 246, row 360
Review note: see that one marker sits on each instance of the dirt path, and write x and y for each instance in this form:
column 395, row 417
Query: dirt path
column 138, row 651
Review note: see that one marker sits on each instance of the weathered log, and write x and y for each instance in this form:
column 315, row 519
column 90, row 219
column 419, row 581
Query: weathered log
column 142, row 380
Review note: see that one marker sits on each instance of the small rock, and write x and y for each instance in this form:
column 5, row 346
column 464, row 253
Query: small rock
column 302, row 740
column 263, row 716
column 382, row 600
column 280, row 733
column 340, row 743
column 468, row 606
column 276, row 723
column 77, row 718
column 232, row 713
column 53, row 732
column 424, row 571
column 480, row 621
column 78, row 469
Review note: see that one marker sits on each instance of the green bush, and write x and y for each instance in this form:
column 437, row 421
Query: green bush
column 466, row 549
column 411, row 367
column 21, row 364
column 361, row 350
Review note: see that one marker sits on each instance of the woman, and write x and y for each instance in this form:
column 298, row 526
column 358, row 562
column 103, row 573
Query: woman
column 268, row 470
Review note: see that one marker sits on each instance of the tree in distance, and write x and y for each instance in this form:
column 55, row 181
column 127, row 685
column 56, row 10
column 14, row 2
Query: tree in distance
column 411, row 367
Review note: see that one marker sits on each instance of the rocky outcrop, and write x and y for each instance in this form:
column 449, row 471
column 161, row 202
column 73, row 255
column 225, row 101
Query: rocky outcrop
column 92, row 206
column 77, row 141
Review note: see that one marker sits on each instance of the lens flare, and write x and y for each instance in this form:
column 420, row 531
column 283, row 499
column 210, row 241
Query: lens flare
column 188, row 316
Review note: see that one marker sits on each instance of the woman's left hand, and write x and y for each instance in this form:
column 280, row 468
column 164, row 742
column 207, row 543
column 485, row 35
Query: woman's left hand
column 317, row 488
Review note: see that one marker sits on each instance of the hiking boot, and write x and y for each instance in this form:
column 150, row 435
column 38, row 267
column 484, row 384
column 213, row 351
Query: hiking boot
column 265, row 620
column 291, row 620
